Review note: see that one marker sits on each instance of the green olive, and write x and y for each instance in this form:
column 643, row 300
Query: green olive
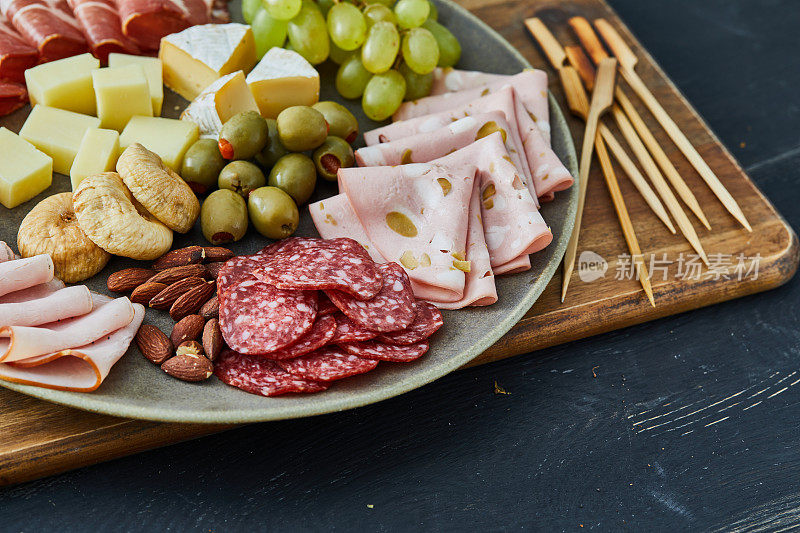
column 335, row 153
column 201, row 165
column 273, row 212
column 295, row 175
column 301, row 128
column 341, row 122
column 242, row 177
column 223, row 217
column 243, row 136
column 274, row 149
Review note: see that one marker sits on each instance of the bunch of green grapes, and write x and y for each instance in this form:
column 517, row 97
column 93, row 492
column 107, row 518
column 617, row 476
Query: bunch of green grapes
column 386, row 49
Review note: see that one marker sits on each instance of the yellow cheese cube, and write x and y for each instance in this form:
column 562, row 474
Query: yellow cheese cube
column 194, row 58
column 152, row 71
column 121, row 92
column 167, row 137
column 98, row 152
column 65, row 84
column 57, row 133
column 283, row 78
column 24, row 170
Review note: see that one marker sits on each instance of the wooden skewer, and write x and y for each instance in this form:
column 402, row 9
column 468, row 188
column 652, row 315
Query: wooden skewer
column 627, row 60
column 592, row 44
column 578, row 103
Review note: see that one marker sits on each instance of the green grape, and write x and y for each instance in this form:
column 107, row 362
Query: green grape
column 449, row 48
column 268, row 32
column 434, row 14
column 381, row 47
column 352, row 77
column 387, row 3
column 346, row 26
column 411, row 13
column 249, row 10
column 376, row 12
column 308, row 34
column 338, row 55
column 383, row 95
column 325, row 6
column 417, row 85
column 282, row 9
column 420, row 50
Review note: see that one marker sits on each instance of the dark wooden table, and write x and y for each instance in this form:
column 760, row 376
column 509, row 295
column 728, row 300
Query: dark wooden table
column 690, row 422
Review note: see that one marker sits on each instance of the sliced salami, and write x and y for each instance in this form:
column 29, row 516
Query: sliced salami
column 327, row 364
column 319, row 335
column 426, row 322
column 235, row 270
column 392, row 309
column 386, row 352
column 308, row 264
column 260, row 376
column 349, row 331
column 325, row 305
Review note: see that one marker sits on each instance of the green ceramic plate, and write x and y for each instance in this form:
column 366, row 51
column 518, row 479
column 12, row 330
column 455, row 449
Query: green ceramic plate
column 138, row 389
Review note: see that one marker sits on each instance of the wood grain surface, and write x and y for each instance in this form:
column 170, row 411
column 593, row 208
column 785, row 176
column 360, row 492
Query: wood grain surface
column 41, row 439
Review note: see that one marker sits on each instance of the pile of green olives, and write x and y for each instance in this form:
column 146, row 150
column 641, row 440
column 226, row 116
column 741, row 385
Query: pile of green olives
column 265, row 168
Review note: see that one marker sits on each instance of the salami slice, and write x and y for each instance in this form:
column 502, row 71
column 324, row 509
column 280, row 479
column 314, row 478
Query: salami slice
column 235, row 270
column 318, row 336
column 308, row 264
column 349, row 331
column 327, row 364
column 386, row 352
column 392, row 309
column 426, row 322
column 260, row 376
column 325, row 305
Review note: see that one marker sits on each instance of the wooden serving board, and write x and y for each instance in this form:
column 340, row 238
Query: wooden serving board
column 39, row 438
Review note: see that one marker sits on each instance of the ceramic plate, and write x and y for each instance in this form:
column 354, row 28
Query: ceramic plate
column 138, row 389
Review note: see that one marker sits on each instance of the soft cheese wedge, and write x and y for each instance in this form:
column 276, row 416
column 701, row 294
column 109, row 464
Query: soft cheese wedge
column 218, row 102
column 283, row 78
column 152, row 71
column 65, row 84
column 24, row 170
column 168, row 137
column 196, row 57
column 121, row 92
column 98, row 152
column 57, row 133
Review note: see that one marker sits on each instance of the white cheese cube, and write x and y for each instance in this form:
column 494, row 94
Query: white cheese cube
column 121, row 92
column 24, row 170
column 57, row 133
column 65, row 84
column 98, row 152
column 167, row 137
column 152, row 71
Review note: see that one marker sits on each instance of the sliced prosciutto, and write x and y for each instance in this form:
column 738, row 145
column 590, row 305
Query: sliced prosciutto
column 12, row 97
column 102, row 28
column 49, row 27
column 16, row 56
column 145, row 22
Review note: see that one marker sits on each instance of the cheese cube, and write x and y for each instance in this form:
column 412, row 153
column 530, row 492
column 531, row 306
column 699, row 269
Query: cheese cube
column 167, row 137
column 57, row 133
column 194, row 58
column 98, row 152
column 121, row 92
column 219, row 102
column 24, row 170
column 281, row 79
column 65, row 84
column 152, row 71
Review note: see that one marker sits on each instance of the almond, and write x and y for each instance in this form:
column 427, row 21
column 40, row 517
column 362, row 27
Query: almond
column 190, row 347
column 187, row 329
column 181, row 257
column 165, row 298
column 189, row 367
column 191, row 302
column 171, row 275
column 213, row 269
column 153, row 344
column 144, row 292
column 216, row 254
column 213, row 343
column 128, row 279
column 210, row 309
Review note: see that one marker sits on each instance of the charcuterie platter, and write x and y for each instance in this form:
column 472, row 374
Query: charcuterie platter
column 137, row 388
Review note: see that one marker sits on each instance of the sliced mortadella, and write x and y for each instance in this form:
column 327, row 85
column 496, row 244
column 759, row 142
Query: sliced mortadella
column 450, row 80
column 24, row 342
column 334, row 218
column 19, row 274
column 519, row 264
column 80, row 369
column 65, row 303
column 415, row 215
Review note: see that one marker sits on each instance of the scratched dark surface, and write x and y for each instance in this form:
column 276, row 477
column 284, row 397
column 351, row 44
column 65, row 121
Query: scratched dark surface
column 690, row 422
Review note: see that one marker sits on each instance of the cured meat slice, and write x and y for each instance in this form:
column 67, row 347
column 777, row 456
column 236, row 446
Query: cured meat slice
column 349, row 331
column 51, row 29
column 380, row 351
column 33, row 293
column 145, row 22
column 102, row 28
column 236, row 270
column 415, row 215
column 16, row 56
column 391, row 309
column 309, row 264
column 325, row 306
column 23, row 273
column 257, row 375
column 427, row 321
column 12, row 97
column 449, row 80
column 520, row 264
column 319, row 335
column 334, row 217
column 65, row 303
column 328, row 364
column 6, row 253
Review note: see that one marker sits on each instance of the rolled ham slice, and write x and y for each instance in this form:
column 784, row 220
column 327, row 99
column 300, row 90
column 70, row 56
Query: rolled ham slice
column 33, row 293
column 6, row 253
column 334, row 218
column 19, row 274
column 47, row 26
column 65, row 303
column 145, row 22
column 520, row 264
column 102, row 28
column 16, row 55
column 450, row 80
